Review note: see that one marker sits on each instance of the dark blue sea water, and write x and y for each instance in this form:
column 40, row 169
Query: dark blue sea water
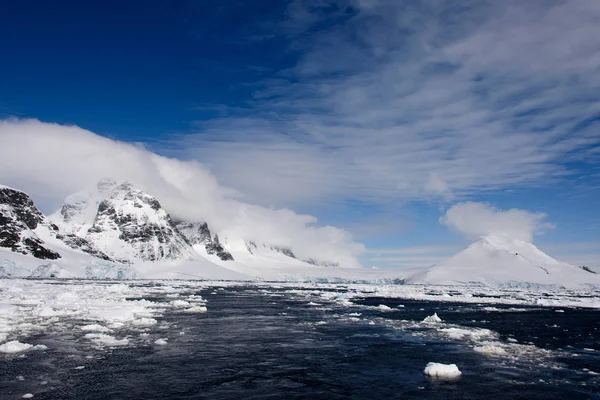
column 265, row 343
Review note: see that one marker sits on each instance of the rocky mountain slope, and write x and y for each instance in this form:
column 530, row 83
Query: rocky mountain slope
column 125, row 223
column 24, row 229
column 199, row 236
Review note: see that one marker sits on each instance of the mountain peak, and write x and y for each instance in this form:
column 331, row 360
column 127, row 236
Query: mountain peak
column 501, row 259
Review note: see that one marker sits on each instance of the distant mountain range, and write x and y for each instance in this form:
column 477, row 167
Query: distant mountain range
column 118, row 231
column 119, row 223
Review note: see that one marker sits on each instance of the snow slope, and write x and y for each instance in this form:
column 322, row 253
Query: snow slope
column 501, row 259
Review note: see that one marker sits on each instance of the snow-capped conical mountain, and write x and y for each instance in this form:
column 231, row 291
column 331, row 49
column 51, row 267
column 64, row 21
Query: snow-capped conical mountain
column 501, row 259
column 200, row 237
column 131, row 225
column 24, row 229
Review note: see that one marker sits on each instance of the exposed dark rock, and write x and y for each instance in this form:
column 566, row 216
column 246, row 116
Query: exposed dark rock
column 199, row 233
column 141, row 222
column 284, row 250
column 78, row 243
column 18, row 218
column 328, row 264
column 587, row 269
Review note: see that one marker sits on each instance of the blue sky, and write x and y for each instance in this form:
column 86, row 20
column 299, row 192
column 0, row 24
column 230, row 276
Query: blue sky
column 375, row 116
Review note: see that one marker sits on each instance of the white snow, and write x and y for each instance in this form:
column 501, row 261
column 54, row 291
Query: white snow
column 490, row 349
column 442, row 371
column 144, row 322
column 432, row 319
column 95, row 328
column 503, row 260
column 15, row 346
column 107, row 340
column 466, row 333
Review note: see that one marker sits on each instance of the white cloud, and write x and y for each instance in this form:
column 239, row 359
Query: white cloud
column 51, row 161
column 476, row 219
column 416, row 100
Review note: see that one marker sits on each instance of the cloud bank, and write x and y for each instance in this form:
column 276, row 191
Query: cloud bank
column 416, row 100
column 478, row 219
column 51, row 161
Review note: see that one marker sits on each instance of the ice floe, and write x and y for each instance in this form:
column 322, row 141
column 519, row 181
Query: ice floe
column 432, row 319
column 442, row 371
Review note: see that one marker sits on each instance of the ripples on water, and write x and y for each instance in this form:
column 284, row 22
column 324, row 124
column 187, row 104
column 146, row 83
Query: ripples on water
column 269, row 344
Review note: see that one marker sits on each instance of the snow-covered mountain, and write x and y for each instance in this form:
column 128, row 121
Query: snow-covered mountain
column 501, row 259
column 19, row 219
column 199, row 236
column 24, row 229
column 126, row 223
column 117, row 230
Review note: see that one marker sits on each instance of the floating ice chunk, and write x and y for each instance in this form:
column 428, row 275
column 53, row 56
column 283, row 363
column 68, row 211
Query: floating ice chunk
column 144, row 322
column 472, row 334
column 321, row 323
column 180, row 303
column 80, row 367
column 383, row 307
column 432, row 319
column 108, row 340
column 160, row 342
column 15, row 346
column 442, row 371
column 95, row 328
column 199, row 309
column 27, row 396
column 490, row 349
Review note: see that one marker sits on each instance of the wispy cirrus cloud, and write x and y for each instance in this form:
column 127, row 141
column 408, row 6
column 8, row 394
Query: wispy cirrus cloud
column 395, row 101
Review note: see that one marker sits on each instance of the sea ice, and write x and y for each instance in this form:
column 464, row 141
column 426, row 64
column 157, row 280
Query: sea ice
column 442, row 371
column 432, row 319
column 15, row 346
column 144, row 322
column 199, row 309
column 160, row 342
column 107, row 340
column 490, row 349
column 95, row 328
column 472, row 334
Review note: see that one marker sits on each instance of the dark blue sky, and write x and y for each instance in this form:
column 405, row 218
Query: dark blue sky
column 134, row 70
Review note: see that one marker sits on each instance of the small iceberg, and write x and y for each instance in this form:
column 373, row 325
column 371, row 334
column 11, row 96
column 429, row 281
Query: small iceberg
column 432, row 319
column 442, row 371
